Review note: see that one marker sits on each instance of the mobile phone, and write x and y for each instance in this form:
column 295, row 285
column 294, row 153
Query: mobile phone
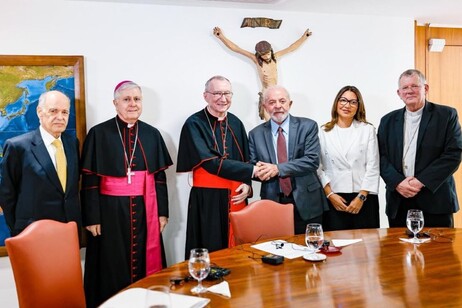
column 419, row 235
column 272, row 259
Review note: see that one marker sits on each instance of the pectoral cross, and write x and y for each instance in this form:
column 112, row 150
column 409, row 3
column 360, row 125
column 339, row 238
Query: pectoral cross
column 129, row 175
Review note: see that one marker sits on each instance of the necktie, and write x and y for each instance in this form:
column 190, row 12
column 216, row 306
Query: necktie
column 284, row 183
column 60, row 162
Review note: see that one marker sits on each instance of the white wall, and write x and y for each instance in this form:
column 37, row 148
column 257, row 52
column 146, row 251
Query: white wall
column 171, row 52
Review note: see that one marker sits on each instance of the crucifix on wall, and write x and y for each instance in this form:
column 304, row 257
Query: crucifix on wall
column 265, row 60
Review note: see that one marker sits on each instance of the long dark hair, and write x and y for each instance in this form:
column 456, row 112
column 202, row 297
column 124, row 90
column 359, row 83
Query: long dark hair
column 360, row 112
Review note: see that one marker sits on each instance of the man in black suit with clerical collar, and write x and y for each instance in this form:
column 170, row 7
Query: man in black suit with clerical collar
column 420, row 149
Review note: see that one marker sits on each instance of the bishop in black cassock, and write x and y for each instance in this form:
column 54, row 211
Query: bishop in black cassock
column 117, row 257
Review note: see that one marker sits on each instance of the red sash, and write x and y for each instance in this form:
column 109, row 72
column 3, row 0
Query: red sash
column 142, row 185
column 202, row 178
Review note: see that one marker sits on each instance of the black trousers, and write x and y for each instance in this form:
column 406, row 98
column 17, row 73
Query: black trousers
column 299, row 222
column 430, row 220
column 368, row 217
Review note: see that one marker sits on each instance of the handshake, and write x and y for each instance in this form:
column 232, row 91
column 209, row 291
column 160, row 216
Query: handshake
column 265, row 171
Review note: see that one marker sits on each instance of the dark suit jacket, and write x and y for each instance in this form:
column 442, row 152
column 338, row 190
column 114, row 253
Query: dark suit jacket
column 439, row 148
column 302, row 165
column 30, row 188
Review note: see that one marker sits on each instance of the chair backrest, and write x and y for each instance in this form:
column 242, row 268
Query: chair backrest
column 46, row 265
column 262, row 219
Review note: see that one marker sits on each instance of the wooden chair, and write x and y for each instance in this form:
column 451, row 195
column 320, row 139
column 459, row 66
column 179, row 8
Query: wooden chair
column 46, row 265
column 262, row 219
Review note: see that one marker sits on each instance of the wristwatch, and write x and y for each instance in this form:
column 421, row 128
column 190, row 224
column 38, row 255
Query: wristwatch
column 362, row 197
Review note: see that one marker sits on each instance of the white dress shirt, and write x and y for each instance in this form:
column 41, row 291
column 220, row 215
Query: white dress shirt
column 285, row 131
column 47, row 140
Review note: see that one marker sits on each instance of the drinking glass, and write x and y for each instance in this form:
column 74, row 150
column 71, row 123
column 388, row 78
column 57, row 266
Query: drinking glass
column 199, row 267
column 415, row 223
column 158, row 296
column 314, row 237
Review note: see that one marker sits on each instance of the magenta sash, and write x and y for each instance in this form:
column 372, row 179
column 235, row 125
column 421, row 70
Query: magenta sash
column 142, row 185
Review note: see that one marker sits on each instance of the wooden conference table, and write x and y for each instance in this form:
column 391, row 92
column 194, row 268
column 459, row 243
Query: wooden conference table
column 378, row 271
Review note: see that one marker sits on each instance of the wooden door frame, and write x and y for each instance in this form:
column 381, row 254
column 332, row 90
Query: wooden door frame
column 453, row 37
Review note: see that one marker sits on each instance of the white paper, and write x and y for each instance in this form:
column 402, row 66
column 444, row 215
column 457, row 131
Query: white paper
column 288, row 250
column 221, row 288
column 136, row 297
column 343, row 242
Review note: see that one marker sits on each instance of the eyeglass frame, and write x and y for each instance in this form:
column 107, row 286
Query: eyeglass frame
column 412, row 87
column 343, row 101
column 218, row 94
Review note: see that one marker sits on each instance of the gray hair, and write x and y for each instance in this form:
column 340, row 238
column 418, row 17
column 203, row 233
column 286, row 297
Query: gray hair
column 126, row 86
column 217, row 77
column 274, row 87
column 412, row 72
column 43, row 98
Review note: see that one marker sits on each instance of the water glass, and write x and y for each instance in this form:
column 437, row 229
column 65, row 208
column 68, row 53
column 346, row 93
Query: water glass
column 314, row 237
column 415, row 223
column 199, row 267
column 158, row 296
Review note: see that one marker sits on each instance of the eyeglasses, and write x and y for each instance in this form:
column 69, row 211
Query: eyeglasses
column 218, row 95
column 438, row 236
column 343, row 101
column 179, row 281
column 413, row 87
column 278, row 244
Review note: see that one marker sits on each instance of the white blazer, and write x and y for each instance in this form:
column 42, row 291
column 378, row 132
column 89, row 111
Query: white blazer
column 354, row 169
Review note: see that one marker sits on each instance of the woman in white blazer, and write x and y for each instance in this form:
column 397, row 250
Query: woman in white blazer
column 349, row 170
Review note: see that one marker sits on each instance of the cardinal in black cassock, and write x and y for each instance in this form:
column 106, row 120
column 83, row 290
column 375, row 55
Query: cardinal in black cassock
column 216, row 151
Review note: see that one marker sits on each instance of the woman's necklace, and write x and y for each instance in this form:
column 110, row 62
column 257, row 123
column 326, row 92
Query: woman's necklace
column 129, row 162
column 213, row 134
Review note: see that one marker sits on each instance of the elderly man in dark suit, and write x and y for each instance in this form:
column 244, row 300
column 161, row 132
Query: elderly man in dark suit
column 286, row 150
column 36, row 182
column 420, row 149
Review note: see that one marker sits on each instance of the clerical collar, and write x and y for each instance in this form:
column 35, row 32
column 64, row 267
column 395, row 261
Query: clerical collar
column 415, row 113
column 218, row 118
column 125, row 124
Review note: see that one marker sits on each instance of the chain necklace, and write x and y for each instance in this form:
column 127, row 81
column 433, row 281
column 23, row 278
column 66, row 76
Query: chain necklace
column 406, row 137
column 129, row 162
column 213, row 134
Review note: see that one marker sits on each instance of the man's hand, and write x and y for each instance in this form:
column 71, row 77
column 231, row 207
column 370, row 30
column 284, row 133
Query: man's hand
column 94, row 229
column 414, row 182
column 409, row 187
column 163, row 221
column 266, row 171
column 245, row 191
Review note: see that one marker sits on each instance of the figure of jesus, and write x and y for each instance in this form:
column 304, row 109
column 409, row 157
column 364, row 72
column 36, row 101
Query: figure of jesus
column 265, row 60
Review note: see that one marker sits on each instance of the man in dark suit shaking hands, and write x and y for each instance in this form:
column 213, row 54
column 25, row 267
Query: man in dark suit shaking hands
column 40, row 173
column 286, row 150
column 420, row 149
